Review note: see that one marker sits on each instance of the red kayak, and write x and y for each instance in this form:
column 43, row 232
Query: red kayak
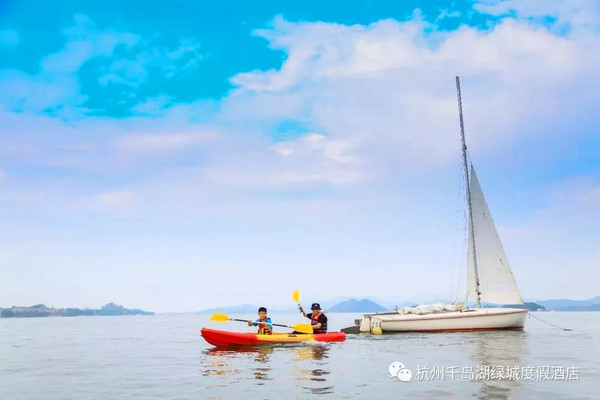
column 226, row 338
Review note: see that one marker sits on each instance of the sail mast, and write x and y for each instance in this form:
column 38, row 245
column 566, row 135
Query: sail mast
column 468, row 186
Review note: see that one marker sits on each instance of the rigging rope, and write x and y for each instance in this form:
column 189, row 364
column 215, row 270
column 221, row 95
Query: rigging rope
column 548, row 323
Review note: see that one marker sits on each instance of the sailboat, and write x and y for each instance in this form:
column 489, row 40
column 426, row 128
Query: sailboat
column 490, row 279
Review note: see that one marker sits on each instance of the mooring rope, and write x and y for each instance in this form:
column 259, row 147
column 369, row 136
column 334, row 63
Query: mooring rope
column 548, row 323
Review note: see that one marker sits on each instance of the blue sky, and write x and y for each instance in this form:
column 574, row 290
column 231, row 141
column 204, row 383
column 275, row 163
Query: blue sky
column 207, row 155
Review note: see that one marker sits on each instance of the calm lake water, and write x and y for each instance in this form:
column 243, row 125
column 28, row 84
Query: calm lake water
column 164, row 357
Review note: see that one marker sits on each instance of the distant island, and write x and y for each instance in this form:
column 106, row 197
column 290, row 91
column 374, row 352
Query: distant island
column 40, row 310
column 353, row 305
column 531, row 306
column 592, row 304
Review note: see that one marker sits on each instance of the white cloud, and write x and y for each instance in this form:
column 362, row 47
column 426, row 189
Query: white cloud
column 392, row 83
column 332, row 176
column 155, row 106
column 307, row 160
column 84, row 41
column 160, row 142
column 331, row 150
column 114, row 199
column 318, row 51
column 445, row 13
column 22, row 92
column 188, row 54
column 133, row 70
column 592, row 195
column 124, row 72
column 577, row 13
column 381, row 97
column 56, row 85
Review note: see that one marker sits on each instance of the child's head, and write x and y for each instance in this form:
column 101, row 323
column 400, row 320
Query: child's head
column 262, row 312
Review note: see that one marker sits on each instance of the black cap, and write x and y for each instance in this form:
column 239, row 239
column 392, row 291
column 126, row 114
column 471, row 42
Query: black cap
column 315, row 306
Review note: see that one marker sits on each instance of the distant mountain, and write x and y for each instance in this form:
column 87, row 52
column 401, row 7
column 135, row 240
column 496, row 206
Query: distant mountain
column 117, row 309
column 592, row 304
column 326, row 304
column 40, row 310
column 534, row 306
column 531, row 306
column 386, row 304
column 354, row 305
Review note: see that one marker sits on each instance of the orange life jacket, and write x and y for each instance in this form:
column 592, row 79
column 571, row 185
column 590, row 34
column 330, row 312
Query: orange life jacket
column 314, row 319
column 263, row 327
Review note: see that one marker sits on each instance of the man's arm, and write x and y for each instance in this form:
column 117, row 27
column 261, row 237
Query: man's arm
column 302, row 310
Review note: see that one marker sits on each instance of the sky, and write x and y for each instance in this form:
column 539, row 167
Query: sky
column 209, row 154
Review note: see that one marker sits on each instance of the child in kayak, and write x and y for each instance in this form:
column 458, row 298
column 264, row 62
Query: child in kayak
column 265, row 326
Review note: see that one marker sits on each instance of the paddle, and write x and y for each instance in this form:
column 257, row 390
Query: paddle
column 296, row 297
column 302, row 328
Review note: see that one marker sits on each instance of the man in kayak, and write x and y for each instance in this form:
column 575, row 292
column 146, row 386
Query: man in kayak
column 265, row 326
column 318, row 320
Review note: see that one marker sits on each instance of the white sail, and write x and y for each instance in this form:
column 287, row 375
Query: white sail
column 496, row 282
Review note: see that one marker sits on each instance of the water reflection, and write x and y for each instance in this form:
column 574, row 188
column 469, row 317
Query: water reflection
column 500, row 351
column 315, row 352
column 262, row 358
column 220, row 361
column 312, row 366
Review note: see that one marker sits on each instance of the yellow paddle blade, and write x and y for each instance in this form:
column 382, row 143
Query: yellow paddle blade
column 218, row 317
column 303, row 328
column 296, row 296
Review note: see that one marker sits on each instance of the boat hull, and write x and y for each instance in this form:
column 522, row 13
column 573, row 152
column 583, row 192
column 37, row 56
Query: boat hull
column 481, row 319
column 226, row 338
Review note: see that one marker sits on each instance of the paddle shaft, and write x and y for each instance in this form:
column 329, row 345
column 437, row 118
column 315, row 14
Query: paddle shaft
column 245, row 320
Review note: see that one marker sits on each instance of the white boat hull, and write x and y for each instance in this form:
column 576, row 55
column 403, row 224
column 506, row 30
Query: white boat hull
column 469, row 320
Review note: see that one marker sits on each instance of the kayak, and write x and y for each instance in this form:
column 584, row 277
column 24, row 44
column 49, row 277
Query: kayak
column 226, row 338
